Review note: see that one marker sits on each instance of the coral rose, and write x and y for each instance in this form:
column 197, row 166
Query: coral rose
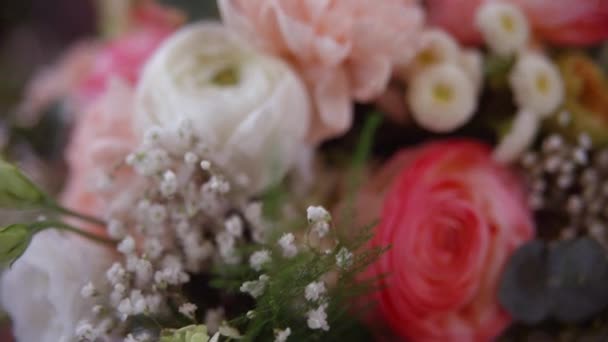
column 453, row 217
column 554, row 21
column 344, row 49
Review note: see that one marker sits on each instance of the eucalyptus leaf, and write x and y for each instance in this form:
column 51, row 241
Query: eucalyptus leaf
column 523, row 288
column 17, row 191
column 578, row 279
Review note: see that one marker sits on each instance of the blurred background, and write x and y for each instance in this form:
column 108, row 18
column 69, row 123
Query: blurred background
column 33, row 35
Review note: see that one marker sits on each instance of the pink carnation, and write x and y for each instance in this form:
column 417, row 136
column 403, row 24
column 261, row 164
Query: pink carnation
column 344, row 49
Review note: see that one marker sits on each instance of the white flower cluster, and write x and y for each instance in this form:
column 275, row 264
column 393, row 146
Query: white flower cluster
column 443, row 83
column 168, row 228
column 535, row 81
column 319, row 220
column 255, row 288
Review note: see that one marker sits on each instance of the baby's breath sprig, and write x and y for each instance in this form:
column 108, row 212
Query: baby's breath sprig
column 304, row 284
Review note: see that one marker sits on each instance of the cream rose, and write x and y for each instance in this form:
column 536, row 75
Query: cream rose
column 249, row 108
column 42, row 290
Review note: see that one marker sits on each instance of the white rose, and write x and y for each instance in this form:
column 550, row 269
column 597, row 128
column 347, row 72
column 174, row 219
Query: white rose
column 42, row 290
column 250, row 108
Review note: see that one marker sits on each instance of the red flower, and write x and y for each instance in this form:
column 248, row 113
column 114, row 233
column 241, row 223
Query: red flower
column 562, row 22
column 452, row 218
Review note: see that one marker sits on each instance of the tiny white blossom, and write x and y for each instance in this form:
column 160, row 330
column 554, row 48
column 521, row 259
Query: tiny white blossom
column 190, row 158
column 319, row 219
column 85, row 331
column 168, row 186
column 116, row 229
column 314, row 291
column 256, row 287
column 97, row 309
column 88, row 290
column 127, row 245
column 250, row 314
column 504, row 27
column 537, row 85
column 234, row 226
column 344, row 258
column 259, row 258
column 286, row 242
column 205, row 165
column 317, row 318
column 157, row 213
column 153, row 248
column 116, row 273
column 281, row 335
column 317, row 214
column 442, row 97
column 152, row 136
column 188, row 310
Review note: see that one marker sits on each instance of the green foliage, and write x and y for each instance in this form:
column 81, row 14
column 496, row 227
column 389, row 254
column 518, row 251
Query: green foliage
column 17, row 191
column 283, row 304
column 191, row 333
column 567, row 281
column 14, row 240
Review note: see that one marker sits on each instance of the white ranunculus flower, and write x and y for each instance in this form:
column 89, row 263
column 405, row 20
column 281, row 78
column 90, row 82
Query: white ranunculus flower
column 442, row 98
column 42, row 290
column 537, row 84
column 250, row 108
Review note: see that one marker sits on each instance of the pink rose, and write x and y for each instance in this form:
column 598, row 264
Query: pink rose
column 344, row 49
column 555, row 21
column 125, row 56
column 453, row 217
column 101, row 140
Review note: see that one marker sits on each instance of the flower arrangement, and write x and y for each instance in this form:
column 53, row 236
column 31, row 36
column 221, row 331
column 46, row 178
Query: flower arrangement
column 304, row 170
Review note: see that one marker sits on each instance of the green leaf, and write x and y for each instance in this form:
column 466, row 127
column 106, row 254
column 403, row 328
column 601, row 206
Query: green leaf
column 14, row 240
column 191, row 333
column 17, row 191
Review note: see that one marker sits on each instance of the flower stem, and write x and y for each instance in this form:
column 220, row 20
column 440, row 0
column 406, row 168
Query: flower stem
column 43, row 225
column 83, row 217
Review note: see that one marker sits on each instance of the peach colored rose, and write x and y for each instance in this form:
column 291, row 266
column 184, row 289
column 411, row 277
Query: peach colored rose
column 555, row 21
column 344, row 49
column 452, row 217
column 102, row 138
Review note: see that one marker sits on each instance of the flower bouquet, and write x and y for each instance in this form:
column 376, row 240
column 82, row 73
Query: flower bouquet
column 303, row 170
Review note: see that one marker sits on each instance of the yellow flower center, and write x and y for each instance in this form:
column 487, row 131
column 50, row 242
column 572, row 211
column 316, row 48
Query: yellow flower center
column 427, row 57
column 227, row 76
column 443, row 93
column 507, row 23
column 542, row 83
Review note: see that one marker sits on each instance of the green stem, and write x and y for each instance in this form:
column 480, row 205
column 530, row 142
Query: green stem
column 83, row 217
column 43, row 225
